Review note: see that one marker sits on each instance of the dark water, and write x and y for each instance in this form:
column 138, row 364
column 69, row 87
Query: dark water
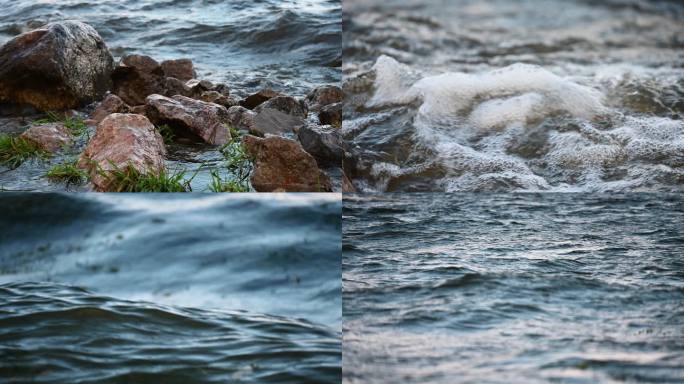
column 502, row 95
column 292, row 45
column 170, row 288
column 513, row 288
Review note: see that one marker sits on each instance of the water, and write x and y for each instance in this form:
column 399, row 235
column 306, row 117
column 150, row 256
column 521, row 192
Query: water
column 152, row 287
column 508, row 96
column 500, row 288
column 289, row 45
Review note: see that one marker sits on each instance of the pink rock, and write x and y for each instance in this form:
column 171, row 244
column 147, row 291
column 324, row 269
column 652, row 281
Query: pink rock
column 206, row 120
column 282, row 164
column 51, row 137
column 324, row 95
column 181, row 69
column 111, row 104
column 122, row 140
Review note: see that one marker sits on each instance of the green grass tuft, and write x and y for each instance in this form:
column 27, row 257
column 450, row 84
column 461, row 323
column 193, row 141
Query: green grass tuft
column 76, row 125
column 68, row 173
column 238, row 162
column 129, row 179
column 234, row 132
column 218, row 185
column 14, row 150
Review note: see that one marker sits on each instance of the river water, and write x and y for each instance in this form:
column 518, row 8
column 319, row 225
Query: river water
column 170, row 288
column 289, row 45
column 531, row 95
column 501, row 288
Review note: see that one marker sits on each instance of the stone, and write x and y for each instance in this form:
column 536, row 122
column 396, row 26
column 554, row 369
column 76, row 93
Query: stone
column 197, row 87
column 181, row 69
column 324, row 95
column 347, row 185
column 241, row 118
column 51, row 137
column 61, row 65
column 122, row 140
column 175, row 87
column 206, row 120
column 331, row 114
column 254, row 100
column 222, row 89
column 275, row 122
column 139, row 109
column 218, row 98
column 137, row 77
column 111, row 104
column 285, row 104
column 282, row 164
column 324, row 143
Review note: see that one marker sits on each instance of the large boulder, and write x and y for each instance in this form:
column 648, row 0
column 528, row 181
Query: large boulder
column 255, row 99
column 122, row 140
column 324, row 95
column 286, row 104
column 209, row 121
column 323, row 143
column 52, row 137
column 61, row 65
column 181, row 69
column 281, row 164
column 111, row 104
column 137, row 77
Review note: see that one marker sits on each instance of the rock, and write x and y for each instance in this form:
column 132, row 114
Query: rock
column 222, row 89
column 139, row 110
column 324, row 143
column 331, row 114
column 137, row 77
column 181, row 69
column 122, row 140
column 255, row 99
column 111, row 104
column 325, row 95
column 197, row 87
column 285, row 104
column 51, row 137
column 347, row 185
column 206, row 120
column 275, row 122
column 58, row 66
column 175, row 87
column 218, row 98
column 281, row 163
column 241, row 118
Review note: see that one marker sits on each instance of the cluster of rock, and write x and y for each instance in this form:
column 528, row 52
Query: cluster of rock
column 67, row 65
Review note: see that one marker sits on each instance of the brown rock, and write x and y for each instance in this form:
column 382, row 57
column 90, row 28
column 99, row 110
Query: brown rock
column 218, row 98
column 347, row 185
column 197, row 87
column 206, row 120
column 58, row 66
column 325, row 95
column 253, row 100
column 51, row 137
column 331, row 114
column 122, row 140
column 175, row 87
column 137, row 77
column 181, row 69
column 241, row 118
column 281, row 163
column 285, row 104
column 111, row 104
column 139, row 110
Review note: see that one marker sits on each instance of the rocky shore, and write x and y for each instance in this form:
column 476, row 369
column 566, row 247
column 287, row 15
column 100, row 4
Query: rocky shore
column 119, row 121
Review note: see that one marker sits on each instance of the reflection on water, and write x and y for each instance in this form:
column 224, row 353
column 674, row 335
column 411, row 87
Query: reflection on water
column 513, row 287
column 170, row 287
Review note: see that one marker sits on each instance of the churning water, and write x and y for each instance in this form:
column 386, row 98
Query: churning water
column 513, row 288
column 170, row 288
column 515, row 95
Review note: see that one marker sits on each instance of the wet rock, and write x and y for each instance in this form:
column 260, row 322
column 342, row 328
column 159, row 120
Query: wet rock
column 325, row 95
column 137, row 77
column 331, row 114
column 275, row 122
column 347, row 185
column 206, row 120
column 218, row 98
column 281, row 163
column 122, row 140
column 285, row 104
column 241, row 118
column 51, row 137
column 58, row 66
column 111, row 104
column 255, row 99
column 323, row 143
column 181, row 69
column 175, row 87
